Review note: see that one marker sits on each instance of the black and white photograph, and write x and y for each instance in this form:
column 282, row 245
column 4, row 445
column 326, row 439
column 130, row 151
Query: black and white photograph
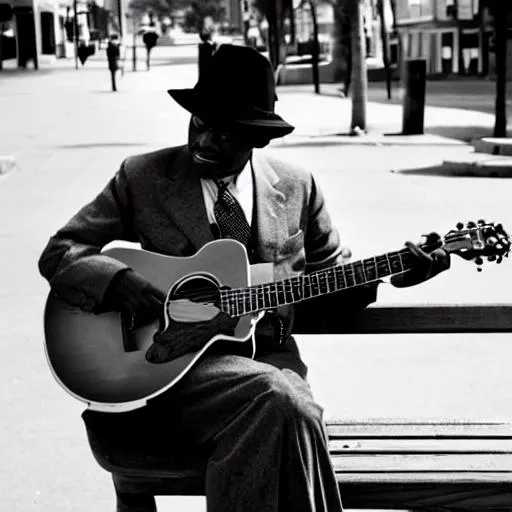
column 256, row 255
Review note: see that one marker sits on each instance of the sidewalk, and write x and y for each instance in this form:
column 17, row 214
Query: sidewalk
column 69, row 133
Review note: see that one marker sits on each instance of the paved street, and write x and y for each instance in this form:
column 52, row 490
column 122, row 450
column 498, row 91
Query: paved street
column 69, row 133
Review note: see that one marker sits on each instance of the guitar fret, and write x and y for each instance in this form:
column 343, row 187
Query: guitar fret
column 247, row 301
column 360, row 269
column 254, row 299
column 340, row 273
column 383, row 266
column 281, row 297
column 401, row 261
column 349, row 275
column 273, row 296
column 268, row 304
column 306, row 287
column 370, row 268
column 329, row 280
column 395, row 263
column 296, row 288
column 288, row 292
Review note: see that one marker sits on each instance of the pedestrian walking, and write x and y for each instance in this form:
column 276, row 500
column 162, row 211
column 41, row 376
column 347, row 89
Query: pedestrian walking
column 149, row 38
column 207, row 46
column 113, row 55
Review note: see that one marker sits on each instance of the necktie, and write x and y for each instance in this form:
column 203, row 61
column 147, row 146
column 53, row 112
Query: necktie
column 230, row 216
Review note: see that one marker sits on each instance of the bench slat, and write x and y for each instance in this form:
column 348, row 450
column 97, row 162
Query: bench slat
column 420, row 318
column 432, row 446
column 340, row 429
column 422, row 462
column 424, row 477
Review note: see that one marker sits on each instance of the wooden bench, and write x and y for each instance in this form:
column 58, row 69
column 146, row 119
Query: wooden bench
column 380, row 464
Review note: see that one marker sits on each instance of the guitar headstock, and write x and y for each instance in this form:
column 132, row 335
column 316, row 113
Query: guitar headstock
column 477, row 241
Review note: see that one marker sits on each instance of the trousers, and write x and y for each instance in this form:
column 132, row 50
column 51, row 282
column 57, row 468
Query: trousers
column 270, row 444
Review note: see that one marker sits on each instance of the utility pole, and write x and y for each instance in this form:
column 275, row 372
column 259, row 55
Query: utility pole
column 134, row 42
column 75, row 31
column 501, row 11
column 120, row 13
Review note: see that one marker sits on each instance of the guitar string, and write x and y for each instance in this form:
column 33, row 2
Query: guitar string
column 205, row 295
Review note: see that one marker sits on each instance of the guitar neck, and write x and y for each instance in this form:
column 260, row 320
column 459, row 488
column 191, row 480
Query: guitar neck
column 243, row 301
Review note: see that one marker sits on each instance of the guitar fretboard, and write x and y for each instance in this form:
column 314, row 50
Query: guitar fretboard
column 242, row 301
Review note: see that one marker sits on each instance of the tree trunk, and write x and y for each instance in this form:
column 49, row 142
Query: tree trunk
column 342, row 51
column 359, row 73
column 501, row 29
column 275, row 12
column 385, row 45
column 315, row 52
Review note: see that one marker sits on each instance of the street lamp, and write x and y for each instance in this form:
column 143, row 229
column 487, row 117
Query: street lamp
column 133, row 17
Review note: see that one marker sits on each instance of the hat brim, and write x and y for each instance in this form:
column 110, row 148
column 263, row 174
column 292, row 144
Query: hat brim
column 265, row 123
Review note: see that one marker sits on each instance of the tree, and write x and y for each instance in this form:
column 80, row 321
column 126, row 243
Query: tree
column 316, row 47
column 342, row 48
column 385, row 45
column 501, row 11
column 275, row 11
column 199, row 10
column 160, row 8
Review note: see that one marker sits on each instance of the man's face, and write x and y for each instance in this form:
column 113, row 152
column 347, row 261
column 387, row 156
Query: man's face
column 217, row 152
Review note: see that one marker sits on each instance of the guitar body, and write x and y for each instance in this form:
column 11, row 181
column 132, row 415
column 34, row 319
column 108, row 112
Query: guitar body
column 98, row 360
column 89, row 354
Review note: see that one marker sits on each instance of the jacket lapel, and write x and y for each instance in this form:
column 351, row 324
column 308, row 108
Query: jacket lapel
column 180, row 193
column 270, row 203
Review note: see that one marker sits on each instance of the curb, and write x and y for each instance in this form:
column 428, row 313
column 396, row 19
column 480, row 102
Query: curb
column 481, row 166
column 493, row 146
column 7, row 164
column 377, row 139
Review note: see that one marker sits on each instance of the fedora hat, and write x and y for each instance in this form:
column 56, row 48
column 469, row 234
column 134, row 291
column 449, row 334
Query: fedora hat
column 236, row 88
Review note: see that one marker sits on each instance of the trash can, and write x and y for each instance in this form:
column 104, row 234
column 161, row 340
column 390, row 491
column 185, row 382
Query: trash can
column 415, row 77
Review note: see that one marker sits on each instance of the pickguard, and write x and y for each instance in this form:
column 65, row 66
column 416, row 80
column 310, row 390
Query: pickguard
column 192, row 319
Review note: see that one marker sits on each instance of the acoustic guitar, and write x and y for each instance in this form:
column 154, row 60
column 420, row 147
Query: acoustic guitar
column 214, row 301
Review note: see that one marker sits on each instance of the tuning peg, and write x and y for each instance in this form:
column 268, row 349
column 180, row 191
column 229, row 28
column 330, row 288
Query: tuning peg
column 459, row 225
column 500, row 259
column 481, row 222
column 491, row 257
column 471, row 224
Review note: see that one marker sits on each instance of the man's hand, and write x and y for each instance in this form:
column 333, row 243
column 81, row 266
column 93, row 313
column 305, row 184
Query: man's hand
column 131, row 292
column 425, row 265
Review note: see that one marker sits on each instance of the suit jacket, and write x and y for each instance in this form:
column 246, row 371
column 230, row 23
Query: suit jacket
column 155, row 199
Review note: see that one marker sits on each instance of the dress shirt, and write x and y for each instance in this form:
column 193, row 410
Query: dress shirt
column 240, row 185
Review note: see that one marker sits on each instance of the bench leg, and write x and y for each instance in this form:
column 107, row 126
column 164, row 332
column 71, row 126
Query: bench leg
column 128, row 502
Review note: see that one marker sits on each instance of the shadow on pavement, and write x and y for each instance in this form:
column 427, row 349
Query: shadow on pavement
column 464, row 133
column 442, row 172
column 100, row 145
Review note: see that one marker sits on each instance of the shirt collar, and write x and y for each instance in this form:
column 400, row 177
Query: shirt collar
column 242, row 179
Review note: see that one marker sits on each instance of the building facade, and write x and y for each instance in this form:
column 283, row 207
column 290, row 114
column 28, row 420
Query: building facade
column 32, row 34
column 453, row 36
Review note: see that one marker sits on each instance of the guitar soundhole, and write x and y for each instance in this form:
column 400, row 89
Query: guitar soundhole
column 194, row 299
